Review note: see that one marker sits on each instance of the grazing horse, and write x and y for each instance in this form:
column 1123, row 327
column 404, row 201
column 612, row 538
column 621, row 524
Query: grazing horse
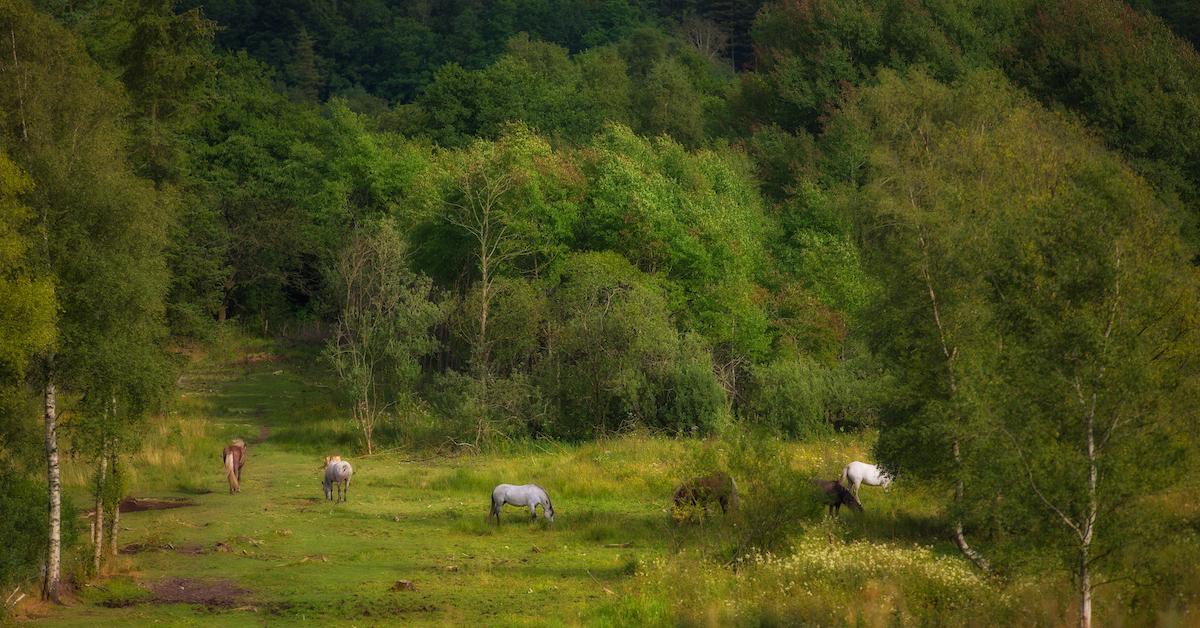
column 234, row 457
column 857, row 473
column 717, row 487
column 530, row 495
column 836, row 496
column 337, row 471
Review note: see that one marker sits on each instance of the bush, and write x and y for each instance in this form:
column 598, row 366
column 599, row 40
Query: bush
column 692, row 399
column 22, row 526
column 789, row 396
column 803, row 398
column 775, row 501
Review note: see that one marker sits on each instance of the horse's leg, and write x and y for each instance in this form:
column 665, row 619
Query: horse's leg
column 533, row 511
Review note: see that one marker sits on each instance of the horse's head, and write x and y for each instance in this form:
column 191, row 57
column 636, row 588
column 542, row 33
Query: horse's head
column 885, row 480
column 548, row 510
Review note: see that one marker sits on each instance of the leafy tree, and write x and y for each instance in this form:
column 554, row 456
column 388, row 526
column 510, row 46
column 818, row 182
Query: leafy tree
column 27, row 322
column 1016, row 255
column 930, row 322
column 693, row 218
column 1128, row 77
column 383, row 327
column 102, row 241
column 610, row 346
column 511, row 200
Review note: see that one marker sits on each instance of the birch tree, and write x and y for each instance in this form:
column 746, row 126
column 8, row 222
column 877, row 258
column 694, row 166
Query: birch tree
column 99, row 231
column 1099, row 320
column 1041, row 308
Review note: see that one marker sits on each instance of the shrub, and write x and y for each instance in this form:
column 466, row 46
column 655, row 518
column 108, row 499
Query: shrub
column 23, row 526
column 789, row 396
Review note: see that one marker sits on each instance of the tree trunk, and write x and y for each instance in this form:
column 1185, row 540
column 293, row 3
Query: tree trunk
column 50, row 587
column 959, row 539
column 485, row 297
column 1085, row 586
column 98, row 520
column 115, row 519
column 1089, row 524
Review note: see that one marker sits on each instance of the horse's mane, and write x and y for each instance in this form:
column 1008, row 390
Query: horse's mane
column 547, row 493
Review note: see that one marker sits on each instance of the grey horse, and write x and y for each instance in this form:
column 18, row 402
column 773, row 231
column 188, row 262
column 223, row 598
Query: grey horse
column 337, row 472
column 530, row 495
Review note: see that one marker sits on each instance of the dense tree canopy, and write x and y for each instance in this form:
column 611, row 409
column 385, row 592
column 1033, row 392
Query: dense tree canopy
column 569, row 219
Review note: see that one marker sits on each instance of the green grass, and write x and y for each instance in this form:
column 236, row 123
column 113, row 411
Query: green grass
column 615, row 556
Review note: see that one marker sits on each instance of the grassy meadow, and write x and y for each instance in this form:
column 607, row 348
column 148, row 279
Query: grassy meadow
column 412, row 546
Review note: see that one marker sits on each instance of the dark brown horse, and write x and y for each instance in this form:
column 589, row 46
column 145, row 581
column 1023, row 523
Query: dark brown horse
column 836, row 495
column 234, row 457
column 717, row 487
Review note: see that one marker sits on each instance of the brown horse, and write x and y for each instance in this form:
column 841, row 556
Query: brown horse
column 836, row 495
column 717, row 487
column 234, row 457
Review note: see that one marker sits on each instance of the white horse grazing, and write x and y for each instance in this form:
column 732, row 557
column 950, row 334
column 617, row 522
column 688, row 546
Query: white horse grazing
column 857, row 473
column 530, row 495
column 337, row 472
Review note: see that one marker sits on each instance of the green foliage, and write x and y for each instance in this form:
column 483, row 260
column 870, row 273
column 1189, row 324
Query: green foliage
column 22, row 516
column 694, row 218
column 392, row 49
column 1016, row 255
column 26, row 313
column 102, row 227
column 678, row 216
column 1127, row 76
column 611, row 344
column 383, row 326
column 774, row 501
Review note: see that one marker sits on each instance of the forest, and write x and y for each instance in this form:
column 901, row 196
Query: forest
column 959, row 238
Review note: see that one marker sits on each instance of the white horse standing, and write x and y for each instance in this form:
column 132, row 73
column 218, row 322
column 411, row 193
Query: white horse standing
column 530, row 495
column 857, row 473
column 337, row 472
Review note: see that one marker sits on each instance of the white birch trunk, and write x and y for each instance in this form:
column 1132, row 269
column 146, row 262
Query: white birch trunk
column 98, row 521
column 50, row 588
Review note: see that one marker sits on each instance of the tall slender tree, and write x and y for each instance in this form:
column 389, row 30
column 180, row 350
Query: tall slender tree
column 101, row 237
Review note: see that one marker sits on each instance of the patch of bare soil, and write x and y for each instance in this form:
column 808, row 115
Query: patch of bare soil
column 191, row 549
column 133, row 504
column 264, row 433
column 259, row 358
column 222, row 593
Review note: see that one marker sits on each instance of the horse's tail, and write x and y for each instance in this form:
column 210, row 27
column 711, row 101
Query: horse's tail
column 231, row 471
column 845, row 474
column 733, row 493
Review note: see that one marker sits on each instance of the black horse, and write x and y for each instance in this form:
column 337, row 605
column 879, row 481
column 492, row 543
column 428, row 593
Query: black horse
column 836, row 496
